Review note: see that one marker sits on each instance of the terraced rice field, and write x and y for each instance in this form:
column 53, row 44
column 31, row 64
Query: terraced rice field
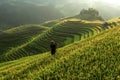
column 14, row 37
column 64, row 33
column 95, row 58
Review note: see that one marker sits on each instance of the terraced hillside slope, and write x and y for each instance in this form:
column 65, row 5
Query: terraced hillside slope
column 17, row 36
column 65, row 32
column 95, row 58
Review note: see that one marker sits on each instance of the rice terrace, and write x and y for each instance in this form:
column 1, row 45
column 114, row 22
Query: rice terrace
column 59, row 40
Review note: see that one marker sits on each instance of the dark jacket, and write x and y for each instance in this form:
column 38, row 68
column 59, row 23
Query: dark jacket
column 53, row 47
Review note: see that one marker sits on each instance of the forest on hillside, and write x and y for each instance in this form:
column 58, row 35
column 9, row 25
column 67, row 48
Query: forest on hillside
column 89, row 14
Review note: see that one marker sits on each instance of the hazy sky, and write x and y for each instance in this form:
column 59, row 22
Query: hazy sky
column 110, row 1
column 113, row 2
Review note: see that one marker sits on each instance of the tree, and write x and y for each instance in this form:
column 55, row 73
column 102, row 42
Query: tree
column 89, row 14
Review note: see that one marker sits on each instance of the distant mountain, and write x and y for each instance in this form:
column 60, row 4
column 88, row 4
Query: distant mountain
column 18, row 13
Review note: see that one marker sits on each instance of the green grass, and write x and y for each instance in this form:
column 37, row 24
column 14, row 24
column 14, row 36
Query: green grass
column 95, row 58
column 19, row 35
column 63, row 33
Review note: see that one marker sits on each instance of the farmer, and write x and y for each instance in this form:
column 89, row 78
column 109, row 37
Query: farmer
column 105, row 24
column 53, row 47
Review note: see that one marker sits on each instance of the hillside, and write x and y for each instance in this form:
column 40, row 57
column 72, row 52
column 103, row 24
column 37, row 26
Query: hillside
column 94, row 58
column 65, row 32
column 16, row 36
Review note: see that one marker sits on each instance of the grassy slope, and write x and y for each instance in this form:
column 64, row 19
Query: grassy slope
column 17, row 36
column 65, row 32
column 95, row 58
